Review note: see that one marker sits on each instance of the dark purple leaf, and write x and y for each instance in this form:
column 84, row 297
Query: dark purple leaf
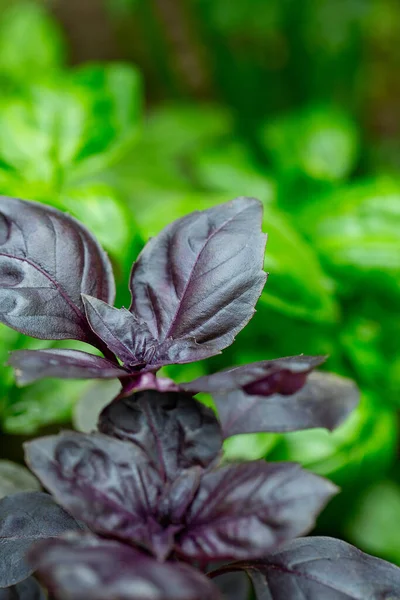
column 24, row 518
column 31, row 365
column 108, row 484
column 89, row 567
column 264, row 378
column 246, row 510
column 197, row 282
column 324, row 401
column 124, row 335
column 322, row 568
column 174, row 430
column 28, row 589
column 47, row 259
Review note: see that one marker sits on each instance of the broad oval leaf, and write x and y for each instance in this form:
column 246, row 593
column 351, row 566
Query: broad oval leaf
column 31, row 365
column 28, row 589
column 85, row 566
column 244, row 511
column 174, row 430
column 108, row 484
column 197, row 282
column 322, row 567
column 47, row 260
column 280, row 376
column 15, row 478
column 25, row 518
column 324, row 401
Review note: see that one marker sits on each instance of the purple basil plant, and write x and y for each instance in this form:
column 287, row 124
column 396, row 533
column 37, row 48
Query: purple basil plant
column 143, row 509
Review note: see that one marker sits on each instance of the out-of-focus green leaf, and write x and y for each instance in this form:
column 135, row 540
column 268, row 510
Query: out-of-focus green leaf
column 356, row 232
column 121, row 86
column 297, row 285
column 228, row 168
column 42, row 132
column 394, row 379
column 180, row 373
column 319, row 142
column 103, row 211
column 70, row 126
column 31, row 43
column 249, row 446
column 179, row 128
column 114, row 94
column 360, row 450
column 46, row 402
column 373, row 524
column 16, row 478
column 160, row 164
column 362, row 342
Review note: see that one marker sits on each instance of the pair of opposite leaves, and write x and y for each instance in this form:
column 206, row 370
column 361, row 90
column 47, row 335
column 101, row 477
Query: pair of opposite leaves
column 155, row 503
column 194, row 287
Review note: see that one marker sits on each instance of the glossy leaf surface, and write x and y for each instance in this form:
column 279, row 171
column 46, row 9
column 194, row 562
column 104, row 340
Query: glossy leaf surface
column 47, row 259
column 174, row 430
column 99, row 569
column 281, row 376
column 108, row 484
column 248, row 509
column 324, row 401
column 197, row 282
column 322, row 567
column 25, row 518
column 31, row 365
column 125, row 336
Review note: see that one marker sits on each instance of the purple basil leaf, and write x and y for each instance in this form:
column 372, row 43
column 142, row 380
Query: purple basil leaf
column 47, row 259
column 174, row 430
column 124, row 335
column 28, row 589
column 197, row 282
column 85, row 566
column 108, row 484
column 31, row 365
column 24, row 518
column 319, row 568
column 279, row 376
column 243, row 511
column 324, row 401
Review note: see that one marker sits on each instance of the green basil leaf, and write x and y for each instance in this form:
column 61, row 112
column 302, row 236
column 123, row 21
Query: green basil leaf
column 28, row 25
column 372, row 524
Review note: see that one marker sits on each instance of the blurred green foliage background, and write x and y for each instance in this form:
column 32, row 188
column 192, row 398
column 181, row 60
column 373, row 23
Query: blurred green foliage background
column 131, row 113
